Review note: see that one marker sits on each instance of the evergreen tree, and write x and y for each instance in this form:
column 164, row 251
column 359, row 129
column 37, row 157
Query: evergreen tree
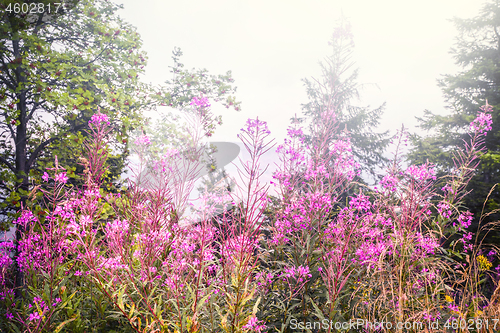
column 477, row 52
column 336, row 89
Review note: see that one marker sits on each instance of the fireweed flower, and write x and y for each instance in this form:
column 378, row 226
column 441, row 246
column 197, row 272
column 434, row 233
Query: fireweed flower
column 65, row 212
column 389, row 183
column 360, row 202
column 112, row 264
column 465, row 219
column 45, row 176
column 369, row 253
column 61, row 177
column 85, row 221
column 201, row 102
column 92, row 193
column 34, row 316
column 72, row 228
column 483, row 121
column 423, row 172
column 233, row 248
column 26, row 218
column 255, row 125
column 301, row 273
column 5, row 261
column 99, row 118
column 491, row 255
column 264, row 278
column 117, row 227
column 254, row 325
column 444, row 209
column 427, row 244
column 57, row 301
column 296, row 133
column 33, row 253
column 466, row 238
column 165, row 162
column 142, row 140
column 447, row 189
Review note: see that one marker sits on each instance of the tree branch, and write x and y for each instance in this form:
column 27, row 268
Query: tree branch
column 10, row 166
column 44, row 144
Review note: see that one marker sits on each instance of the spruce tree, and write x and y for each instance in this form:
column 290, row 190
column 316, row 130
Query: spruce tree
column 338, row 89
column 477, row 52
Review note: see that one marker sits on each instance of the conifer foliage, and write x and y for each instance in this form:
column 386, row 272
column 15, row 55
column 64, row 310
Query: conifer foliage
column 477, row 52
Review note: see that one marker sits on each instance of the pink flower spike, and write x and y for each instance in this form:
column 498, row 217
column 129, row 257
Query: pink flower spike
column 61, row 177
column 143, row 140
column 99, row 118
column 45, row 176
column 201, row 102
column 254, row 325
column 483, row 121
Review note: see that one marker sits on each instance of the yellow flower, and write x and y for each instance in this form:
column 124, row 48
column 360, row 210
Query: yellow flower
column 448, row 299
column 484, row 264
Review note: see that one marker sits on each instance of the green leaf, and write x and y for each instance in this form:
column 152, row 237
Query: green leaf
column 61, row 325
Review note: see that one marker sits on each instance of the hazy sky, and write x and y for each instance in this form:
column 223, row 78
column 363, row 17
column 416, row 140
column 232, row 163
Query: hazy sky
column 402, row 48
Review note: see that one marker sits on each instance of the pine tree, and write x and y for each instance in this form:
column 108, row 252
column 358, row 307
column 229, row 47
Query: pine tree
column 477, row 52
column 337, row 88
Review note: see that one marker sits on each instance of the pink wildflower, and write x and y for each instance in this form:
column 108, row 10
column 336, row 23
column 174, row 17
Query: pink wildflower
column 34, row 316
column 360, row 202
column 422, row 172
column 254, row 325
column 294, row 132
column 25, row 218
column 465, row 219
column 444, row 209
column 256, row 125
column 201, row 102
column 5, row 260
column 143, row 140
column 483, row 121
column 61, row 177
column 389, row 183
column 45, row 176
column 99, row 118
column 85, row 221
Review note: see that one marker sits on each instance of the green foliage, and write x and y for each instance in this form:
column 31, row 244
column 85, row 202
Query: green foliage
column 477, row 51
column 54, row 76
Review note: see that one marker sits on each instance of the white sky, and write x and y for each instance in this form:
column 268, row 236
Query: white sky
column 402, row 48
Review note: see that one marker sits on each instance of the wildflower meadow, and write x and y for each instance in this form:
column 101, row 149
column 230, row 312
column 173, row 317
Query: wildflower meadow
column 315, row 250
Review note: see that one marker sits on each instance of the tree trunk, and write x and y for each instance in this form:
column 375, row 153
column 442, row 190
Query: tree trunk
column 21, row 159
